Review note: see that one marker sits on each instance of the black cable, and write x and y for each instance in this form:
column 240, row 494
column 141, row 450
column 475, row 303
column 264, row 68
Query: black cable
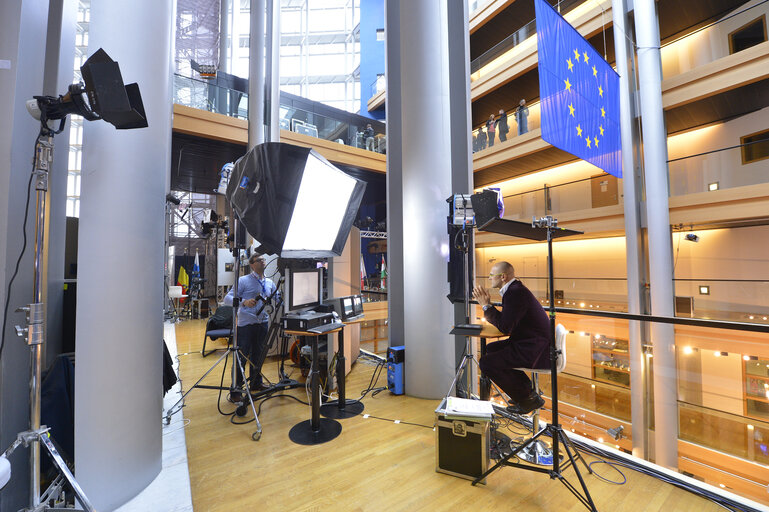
column 402, row 422
column 613, row 466
column 23, row 245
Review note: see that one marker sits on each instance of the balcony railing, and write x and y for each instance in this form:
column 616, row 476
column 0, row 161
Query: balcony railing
column 204, row 95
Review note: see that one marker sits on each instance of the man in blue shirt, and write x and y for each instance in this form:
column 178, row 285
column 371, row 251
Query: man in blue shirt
column 253, row 290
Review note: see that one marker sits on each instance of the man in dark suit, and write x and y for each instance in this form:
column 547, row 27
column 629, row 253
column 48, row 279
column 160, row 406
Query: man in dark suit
column 525, row 321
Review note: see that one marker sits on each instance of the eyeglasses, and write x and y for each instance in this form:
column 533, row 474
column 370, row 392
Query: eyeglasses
column 495, row 275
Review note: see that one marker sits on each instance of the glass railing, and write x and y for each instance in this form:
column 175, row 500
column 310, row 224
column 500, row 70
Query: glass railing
column 204, row 95
column 719, row 393
column 481, row 139
column 708, row 44
column 498, row 51
column 714, row 170
column 378, row 85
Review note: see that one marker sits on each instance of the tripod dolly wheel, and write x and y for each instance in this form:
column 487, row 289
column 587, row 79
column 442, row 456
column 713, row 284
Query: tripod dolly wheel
column 241, row 410
column 256, row 436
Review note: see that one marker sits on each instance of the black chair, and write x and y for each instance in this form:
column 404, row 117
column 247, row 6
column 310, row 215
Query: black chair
column 218, row 326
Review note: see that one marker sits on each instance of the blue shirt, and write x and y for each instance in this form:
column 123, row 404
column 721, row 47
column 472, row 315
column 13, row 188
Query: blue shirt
column 252, row 287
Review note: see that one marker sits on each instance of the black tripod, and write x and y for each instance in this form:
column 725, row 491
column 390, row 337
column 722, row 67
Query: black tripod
column 237, row 359
column 545, row 226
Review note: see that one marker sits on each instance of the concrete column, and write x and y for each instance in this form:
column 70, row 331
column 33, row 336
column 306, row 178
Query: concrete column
column 60, row 54
column 428, row 159
column 660, row 245
column 224, row 33
column 272, row 79
column 22, row 64
column 632, row 200
column 256, row 74
column 125, row 176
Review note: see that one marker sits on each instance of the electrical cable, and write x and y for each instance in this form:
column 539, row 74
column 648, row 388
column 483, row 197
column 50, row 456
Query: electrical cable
column 23, row 245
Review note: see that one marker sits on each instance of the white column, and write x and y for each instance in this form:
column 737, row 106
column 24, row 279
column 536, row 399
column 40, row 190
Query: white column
column 273, row 72
column 427, row 160
column 660, row 245
column 632, row 197
column 118, row 432
column 256, row 74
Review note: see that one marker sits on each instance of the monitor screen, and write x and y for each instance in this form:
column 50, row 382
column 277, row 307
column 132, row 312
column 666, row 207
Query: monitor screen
column 357, row 305
column 347, row 307
column 304, row 289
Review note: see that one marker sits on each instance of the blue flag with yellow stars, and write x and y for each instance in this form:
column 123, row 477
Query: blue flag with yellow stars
column 579, row 94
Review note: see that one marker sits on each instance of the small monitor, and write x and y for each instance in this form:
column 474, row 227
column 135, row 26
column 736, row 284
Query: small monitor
column 357, row 305
column 347, row 310
column 304, row 289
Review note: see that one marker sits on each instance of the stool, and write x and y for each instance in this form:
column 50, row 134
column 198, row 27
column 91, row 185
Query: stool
column 538, row 452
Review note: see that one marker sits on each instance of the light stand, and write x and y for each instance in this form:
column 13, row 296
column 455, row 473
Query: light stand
column 108, row 99
column 467, row 329
column 548, row 226
column 233, row 350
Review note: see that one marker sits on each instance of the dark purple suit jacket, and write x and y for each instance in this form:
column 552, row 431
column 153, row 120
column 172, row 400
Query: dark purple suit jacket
column 524, row 319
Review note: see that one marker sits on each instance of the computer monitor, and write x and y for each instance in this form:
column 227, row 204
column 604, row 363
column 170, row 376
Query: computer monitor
column 347, row 307
column 304, row 289
column 357, row 302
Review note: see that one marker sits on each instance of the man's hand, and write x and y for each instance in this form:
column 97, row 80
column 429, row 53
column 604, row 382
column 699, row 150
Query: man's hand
column 249, row 303
column 481, row 295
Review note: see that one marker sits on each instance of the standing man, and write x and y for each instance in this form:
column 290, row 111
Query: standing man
column 525, row 321
column 368, row 135
column 254, row 289
column 503, row 128
column 521, row 117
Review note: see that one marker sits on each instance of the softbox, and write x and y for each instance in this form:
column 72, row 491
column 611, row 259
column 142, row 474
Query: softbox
column 293, row 201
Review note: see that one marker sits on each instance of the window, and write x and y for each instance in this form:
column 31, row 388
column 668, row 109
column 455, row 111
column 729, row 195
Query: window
column 748, row 35
column 379, row 34
column 756, row 147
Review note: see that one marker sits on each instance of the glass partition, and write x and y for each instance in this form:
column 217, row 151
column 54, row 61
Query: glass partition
column 715, row 170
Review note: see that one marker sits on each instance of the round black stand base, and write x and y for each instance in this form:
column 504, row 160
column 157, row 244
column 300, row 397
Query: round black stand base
column 332, row 410
column 302, row 433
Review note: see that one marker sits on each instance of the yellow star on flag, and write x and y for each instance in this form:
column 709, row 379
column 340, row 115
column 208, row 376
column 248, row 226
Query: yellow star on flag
column 567, row 84
column 576, row 54
column 595, row 71
column 600, row 91
column 571, row 110
column 596, row 141
column 570, row 64
column 585, row 57
column 587, row 139
column 600, row 128
column 603, row 112
column 579, row 131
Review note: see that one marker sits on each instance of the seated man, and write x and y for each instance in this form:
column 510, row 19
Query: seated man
column 525, row 321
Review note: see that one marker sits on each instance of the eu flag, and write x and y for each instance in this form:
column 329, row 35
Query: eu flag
column 579, row 93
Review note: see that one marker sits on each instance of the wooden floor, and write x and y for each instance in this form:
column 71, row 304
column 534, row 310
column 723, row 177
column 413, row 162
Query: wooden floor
column 375, row 464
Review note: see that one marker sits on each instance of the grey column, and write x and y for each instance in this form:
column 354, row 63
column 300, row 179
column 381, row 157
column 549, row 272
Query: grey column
column 256, row 74
column 60, row 55
column 427, row 160
column 632, row 201
column 272, row 80
column 224, row 34
column 660, row 246
column 118, row 432
column 22, row 58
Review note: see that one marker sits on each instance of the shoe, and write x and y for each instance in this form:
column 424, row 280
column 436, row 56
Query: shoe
column 529, row 404
column 258, row 388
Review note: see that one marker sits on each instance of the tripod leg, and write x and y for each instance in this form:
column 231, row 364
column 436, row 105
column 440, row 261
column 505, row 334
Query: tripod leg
column 567, row 442
column 587, row 500
column 172, row 410
column 258, row 434
column 65, row 472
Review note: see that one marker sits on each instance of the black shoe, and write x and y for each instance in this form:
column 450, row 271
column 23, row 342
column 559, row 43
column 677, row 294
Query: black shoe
column 529, row 404
column 258, row 388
